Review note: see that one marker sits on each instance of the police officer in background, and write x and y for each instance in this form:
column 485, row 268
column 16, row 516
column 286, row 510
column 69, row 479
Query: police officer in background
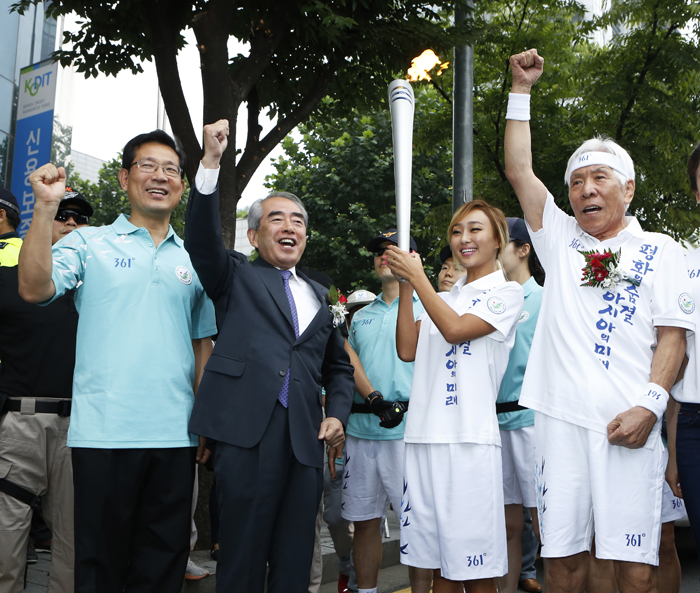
column 9, row 221
column 37, row 349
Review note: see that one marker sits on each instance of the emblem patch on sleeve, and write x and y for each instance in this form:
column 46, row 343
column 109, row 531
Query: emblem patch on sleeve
column 496, row 305
column 686, row 303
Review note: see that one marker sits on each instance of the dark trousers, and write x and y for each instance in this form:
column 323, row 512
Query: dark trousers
column 214, row 514
column 132, row 519
column 688, row 458
column 268, row 503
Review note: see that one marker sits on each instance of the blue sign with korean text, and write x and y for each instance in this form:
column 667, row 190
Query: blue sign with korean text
column 35, row 107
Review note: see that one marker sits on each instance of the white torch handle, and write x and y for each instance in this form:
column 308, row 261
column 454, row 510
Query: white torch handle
column 401, row 105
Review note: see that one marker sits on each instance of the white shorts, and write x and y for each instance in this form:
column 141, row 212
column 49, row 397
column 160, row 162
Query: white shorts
column 452, row 510
column 372, row 475
column 580, row 478
column 518, row 451
column 672, row 507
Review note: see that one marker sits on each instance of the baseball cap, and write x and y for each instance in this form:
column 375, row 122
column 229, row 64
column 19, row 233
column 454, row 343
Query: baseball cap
column 392, row 236
column 7, row 198
column 518, row 230
column 359, row 297
column 445, row 253
column 74, row 199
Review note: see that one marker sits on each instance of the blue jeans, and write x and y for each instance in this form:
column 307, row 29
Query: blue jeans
column 688, row 459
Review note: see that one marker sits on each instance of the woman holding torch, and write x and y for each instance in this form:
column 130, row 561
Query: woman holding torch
column 452, row 516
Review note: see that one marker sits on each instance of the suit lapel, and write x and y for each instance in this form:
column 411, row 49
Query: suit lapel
column 272, row 279
column 322, row 314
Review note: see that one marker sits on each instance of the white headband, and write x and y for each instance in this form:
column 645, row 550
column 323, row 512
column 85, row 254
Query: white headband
column 600, row 158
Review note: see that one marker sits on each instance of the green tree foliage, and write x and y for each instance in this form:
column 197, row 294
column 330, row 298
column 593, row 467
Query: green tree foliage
column 299, row 53
column 109, row 200
column 641, row 89
column 344, row 172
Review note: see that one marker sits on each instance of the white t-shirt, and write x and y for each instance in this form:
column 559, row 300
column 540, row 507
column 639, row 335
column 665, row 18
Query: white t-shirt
column 455, row 386
column 592, row 350
column 688, row 390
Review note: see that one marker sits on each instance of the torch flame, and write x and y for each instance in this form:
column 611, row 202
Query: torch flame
column 421, row 65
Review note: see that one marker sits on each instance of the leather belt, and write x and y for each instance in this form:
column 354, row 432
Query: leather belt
column 61, row 407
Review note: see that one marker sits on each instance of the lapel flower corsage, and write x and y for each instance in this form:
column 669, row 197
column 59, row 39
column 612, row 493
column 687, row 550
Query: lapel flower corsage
column 337, row 308
column 603, row 269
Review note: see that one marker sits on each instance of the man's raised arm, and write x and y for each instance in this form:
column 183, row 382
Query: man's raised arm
column 35, row 259
column 531, row 192
column 203, row 236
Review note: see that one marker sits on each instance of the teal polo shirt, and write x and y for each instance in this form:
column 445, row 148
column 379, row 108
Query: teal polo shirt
column 517, row 362
column 140, row 308
column 373, row 337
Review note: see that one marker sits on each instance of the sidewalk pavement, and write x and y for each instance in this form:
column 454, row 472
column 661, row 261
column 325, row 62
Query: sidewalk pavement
column 38, row 574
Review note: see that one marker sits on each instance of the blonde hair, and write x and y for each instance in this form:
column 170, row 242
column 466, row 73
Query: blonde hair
column 495, row 216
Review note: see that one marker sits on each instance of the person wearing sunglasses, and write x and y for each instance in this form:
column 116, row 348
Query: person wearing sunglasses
column 74, row 211
column 37, row 348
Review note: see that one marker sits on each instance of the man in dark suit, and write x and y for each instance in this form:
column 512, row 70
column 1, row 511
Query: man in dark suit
column 260, row 397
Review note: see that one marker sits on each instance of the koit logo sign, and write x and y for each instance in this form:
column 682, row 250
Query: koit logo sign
column 32, row 85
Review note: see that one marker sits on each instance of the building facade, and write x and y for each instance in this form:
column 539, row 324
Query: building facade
column 24, row 40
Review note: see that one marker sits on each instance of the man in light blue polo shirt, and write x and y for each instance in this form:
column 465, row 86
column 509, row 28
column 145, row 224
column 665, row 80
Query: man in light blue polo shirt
column 143, row 338
column 373, row 472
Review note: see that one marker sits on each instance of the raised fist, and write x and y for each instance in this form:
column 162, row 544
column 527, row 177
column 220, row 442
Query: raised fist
column 49, row 185
column 215, row 139
column 527, row 68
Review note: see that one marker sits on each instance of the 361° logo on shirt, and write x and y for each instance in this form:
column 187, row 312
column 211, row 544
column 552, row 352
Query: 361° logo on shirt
column 123, row 262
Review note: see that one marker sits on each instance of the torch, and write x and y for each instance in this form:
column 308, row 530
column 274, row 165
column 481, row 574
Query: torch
column 401, row 105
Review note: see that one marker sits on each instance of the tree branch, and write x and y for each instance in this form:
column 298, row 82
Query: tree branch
column 637, row 85
column 253, row 156
column 497, row 122
column 493, row 152
column 264, row 41
column 254, row 128
column 211, row 28
column 441, row 91
column 164, row 35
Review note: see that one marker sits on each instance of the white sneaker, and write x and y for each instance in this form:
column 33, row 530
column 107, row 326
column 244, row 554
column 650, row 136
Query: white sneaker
column 194, row 572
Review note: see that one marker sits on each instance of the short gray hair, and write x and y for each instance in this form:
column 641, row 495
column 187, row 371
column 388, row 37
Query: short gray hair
column 603, row 144
column 255, row 211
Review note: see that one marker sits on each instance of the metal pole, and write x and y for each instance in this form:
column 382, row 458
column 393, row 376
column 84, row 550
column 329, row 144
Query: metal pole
column 31, row 52
column 462, row 119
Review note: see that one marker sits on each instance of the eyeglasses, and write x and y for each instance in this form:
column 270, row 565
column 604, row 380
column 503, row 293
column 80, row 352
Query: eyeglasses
column 150, row 166
column 64, row 215
column 379, row 251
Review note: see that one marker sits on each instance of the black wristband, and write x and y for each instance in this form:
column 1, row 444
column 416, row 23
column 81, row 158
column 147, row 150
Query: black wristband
column 372, row 395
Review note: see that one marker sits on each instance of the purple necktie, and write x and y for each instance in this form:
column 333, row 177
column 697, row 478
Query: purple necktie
column 284, row 392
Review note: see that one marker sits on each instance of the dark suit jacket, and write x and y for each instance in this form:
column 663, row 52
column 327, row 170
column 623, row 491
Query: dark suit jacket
column 257, row 344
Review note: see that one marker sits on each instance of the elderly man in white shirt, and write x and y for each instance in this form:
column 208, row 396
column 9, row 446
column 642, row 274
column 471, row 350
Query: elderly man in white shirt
column 606, row 352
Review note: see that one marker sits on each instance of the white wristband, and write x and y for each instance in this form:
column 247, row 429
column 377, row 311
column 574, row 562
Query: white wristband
column 655, row 399
column 518, row 107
